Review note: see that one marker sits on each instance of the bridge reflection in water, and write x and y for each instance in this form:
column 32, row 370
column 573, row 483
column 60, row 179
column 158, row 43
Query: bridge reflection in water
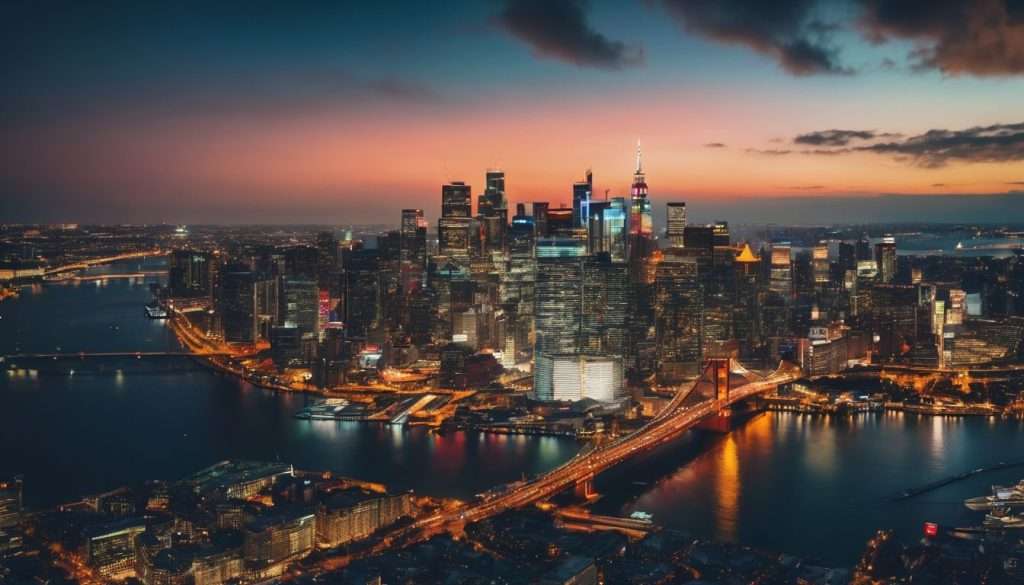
column 723, row 383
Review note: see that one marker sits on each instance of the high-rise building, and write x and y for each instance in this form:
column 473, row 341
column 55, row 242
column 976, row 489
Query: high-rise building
column 582, row 192
column 237, row 305
column 456, row 200
column 885, row 256
column 640, row 220
column 720, row 234
column 453, row 227
column 540, row 219
column 781, row 275
column 820, row 265
column 413, row 252
column 676, row 223
column 191, row 274
column 747, row 320
column 678, row 319
column 492, row 211
column 301, row 306
column 362, row 290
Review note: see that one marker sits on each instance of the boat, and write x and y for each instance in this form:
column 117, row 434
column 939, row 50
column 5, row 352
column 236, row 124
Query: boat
column 641, row 516
column 156, row 312
column 1001, row 497
column 959, row 245
column 1001, row 519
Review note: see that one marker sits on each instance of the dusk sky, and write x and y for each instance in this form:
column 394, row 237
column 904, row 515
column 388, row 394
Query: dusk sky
column 345, row 112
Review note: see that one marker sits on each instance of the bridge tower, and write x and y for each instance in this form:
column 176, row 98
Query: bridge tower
column 717, row 373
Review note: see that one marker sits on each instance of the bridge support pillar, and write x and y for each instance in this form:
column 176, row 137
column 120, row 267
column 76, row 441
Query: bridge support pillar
column 717, row 423
column 584, row 488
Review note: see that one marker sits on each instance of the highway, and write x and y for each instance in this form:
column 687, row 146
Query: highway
column 678, row 416
column 100, row 261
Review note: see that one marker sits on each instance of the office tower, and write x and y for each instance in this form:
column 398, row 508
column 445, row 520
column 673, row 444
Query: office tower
column 327, row 259
column 615, row 219
column 517, row 293
column 455, row 200
column 863, row 247
column 580, row 324
column 191, row 274
column 560, row 223
column 699, row 238
column 453, row 227
column 675, row 223
column 820, row 266
column 413, row 253
column 781, row 275
column 10, row 500
column 885, row 257
column 237, row 305
column 747, row 320
column 361, row 290
column 894, row 317
column 492, row 212
column 678, row 319
column 956, row 308
column 605, row 306
column 582, row 192
column 558, row 293
column 302, row 262
column 720, row 234
column 597, row 241
column 640, row 244
column 301, row 305
column 540, row 218
column 640, row 221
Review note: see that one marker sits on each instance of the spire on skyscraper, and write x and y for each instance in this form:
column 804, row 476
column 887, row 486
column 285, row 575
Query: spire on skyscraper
column 639, row 161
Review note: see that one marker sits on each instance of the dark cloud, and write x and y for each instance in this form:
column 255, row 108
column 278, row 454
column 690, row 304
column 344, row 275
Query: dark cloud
column 786, row 30
column 838, row 137
column 974, row 37
column 806, row 187
column 715, row 145
column 937, row 148
column 1015, row 182
column 559, row 29
column 769, row 151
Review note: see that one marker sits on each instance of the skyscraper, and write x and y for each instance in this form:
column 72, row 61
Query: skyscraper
column 413, row 252
column 582, row 192
column 237, row 305
column 781, row 281
column 492, row 211
column 676, row 223
column 678, row 318
column 453, row 227
column 640, row 220
column 885, row 256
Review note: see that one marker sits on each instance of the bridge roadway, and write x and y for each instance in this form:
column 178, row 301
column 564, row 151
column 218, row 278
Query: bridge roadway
column 100, row 261
column 112, row 354
column 677, row 417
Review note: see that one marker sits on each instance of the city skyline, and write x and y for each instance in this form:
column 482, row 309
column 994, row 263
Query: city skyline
column 344, row 114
